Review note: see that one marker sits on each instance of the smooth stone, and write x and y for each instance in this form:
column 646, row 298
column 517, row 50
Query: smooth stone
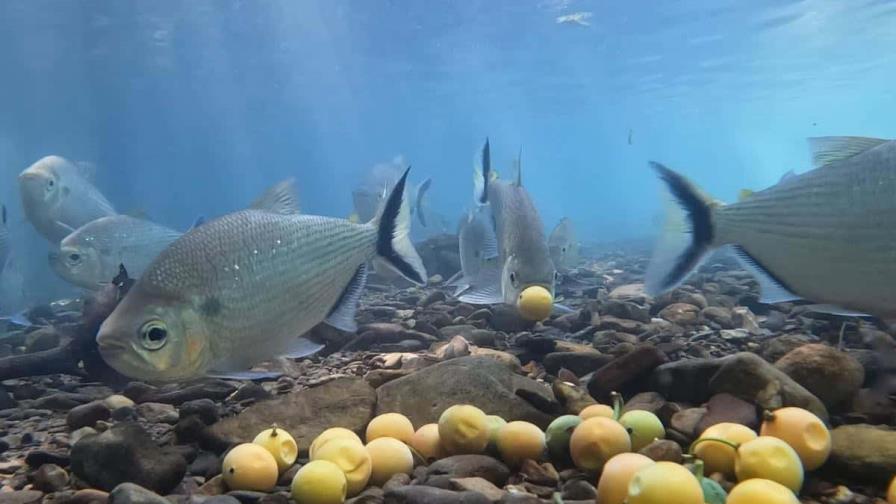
column 774, row 348
column 663, row 450
column 480, row 485
column 129, row 493
column 865, row 452
column 624, row 371
column 685, row 380
column 645, row 401
column 578, row 489
column 728, row 408
column 468, row 466
column 686, row 421
column 215, row 390
column 87, row 415
column 831, row 375
column 50, row 478
column 113, row 402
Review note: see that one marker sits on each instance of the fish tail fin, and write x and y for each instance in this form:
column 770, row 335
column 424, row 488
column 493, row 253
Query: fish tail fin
column 421, row 192
column 687, row 235
column 483, row 176
column 393, row 243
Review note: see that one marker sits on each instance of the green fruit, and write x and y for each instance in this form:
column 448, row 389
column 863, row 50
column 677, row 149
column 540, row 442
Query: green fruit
column 558, row 434
column 713, row 493
column 643, row 427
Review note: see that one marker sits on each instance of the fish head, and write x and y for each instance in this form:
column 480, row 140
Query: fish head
column 529, row 287
column 154, row 338
column 41, row 184
column 77, row 264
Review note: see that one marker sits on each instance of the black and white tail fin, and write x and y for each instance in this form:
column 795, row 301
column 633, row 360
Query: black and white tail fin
column 393, row 243
column 687, row 235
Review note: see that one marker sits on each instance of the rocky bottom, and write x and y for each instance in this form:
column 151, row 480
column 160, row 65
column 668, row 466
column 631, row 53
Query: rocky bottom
column 703, row 354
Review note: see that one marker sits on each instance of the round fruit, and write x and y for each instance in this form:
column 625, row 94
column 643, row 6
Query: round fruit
column 558, row 434
column 769, row 458
column 765, row 491
column 393, row 425
column 596, row 410
column 643, row 427
column 463, row 429
column 535, row 303
column 330, row 434
column 427, row 443
column 319, row 482
column 803, row 431
column 494, row 426
column 596, row 440
column 388, row 457
column 612, row 488
column 250, row 467
column 280, row 444
column 352, row 458
column 719, row 457
column 664, row 482
column 518, row 441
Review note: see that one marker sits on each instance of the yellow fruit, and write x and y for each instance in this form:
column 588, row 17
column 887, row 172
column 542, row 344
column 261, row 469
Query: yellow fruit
column 535, row 303
column 427, row 443
column 596, row 410
column 596, row 440
column 393, row 425
column 891, row 493
column 250, row 467
column 463, row 429
column 352, row 458
column 612, row 488
column 518, row 441
column 756, row 490
column 803, row 431
column 319, row 482
column 330, row 434
column 718, row 457
column 280, row 444
column 494, row 426
column 769, row 458
column 388, row 456
column 664, row 483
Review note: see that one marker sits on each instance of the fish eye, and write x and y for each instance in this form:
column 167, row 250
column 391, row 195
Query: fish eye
column 513, row 278
column 74, row 258
column 50, row 184
column 556, row 276
column 153, row 335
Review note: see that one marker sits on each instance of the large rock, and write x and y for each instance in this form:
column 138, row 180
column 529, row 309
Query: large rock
column 833, row 376
column 580, row 363
column 728, row 408
column 343, row 402
column 685, row 380
column 624, row 371
column 126, row 453
column 481, row 381
column 750, row 377
column 864, row 451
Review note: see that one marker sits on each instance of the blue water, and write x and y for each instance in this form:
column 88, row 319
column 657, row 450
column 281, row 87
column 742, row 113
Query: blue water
column 193, row 107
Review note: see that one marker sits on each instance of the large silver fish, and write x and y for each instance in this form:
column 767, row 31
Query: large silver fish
column 58, row 197
column 564, row 246
column 368, row 198
column 827, row 235
column 524, row 275
column 245, row 287
column 478, row 248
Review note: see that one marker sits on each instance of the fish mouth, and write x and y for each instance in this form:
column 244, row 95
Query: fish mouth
column 109, row 347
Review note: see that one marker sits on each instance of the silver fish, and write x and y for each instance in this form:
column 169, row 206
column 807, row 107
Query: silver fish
column 478, row 247
column 563, row 246
column 524, row 275
column 58, row 197
column 827, row 235
column 245, row 287
column 369, row 196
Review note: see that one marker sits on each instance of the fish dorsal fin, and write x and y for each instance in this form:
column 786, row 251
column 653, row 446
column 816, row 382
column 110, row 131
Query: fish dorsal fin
column 279, row 199
column 138, row 213
column 787, row 176
column 518, row 169
column 342, row 316
column 744, row 194
column 86, row 170
column 827, row 150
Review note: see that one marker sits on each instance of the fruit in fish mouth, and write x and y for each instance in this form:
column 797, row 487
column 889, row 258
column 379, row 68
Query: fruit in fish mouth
column 250, row 467
column 535, row 303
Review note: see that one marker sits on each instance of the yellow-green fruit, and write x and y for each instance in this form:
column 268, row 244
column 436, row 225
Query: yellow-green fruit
column 427, row 443
column 643, row 427
column 352, row 457
column 319, row 482
column 596, row 440
column 518, row 441
column 388, row 457
column 250, row 467
column 463, row 429
column 612, row 488
column 891, row 494
column 664, row 483
column 803, row 431
column 280, row 444
column 769, row 458
column 719, row 457
column 329, row 435
column 494, row 426
column 393, row 425
column 597, row 410
column 557, row 437
column 761, row 491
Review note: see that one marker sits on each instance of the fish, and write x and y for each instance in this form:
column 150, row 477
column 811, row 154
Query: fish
column 369, row 197
column 826, row 235
column 577, row 18
column 247, row 286
column 524, row 275
column 563, row 246
column 58, row 197
column 477, row 246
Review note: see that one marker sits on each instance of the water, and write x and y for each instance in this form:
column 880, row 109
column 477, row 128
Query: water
column 192, row 108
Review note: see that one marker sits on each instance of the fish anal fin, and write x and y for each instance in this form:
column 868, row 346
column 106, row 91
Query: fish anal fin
column 342, row 315
column 245, row 375
column 830, row 149
column 772, row 289
column 302, row 347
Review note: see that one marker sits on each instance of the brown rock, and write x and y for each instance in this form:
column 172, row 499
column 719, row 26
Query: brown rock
column 646, row 401
column 686, row 421
column 573, row 398
column 864, row 451
column 680, row 313
column 663, row 450
column 728, row 408
column 623, row 371
column 580, row 363
column 480, row 485
column 774, row 348
column 831, row 375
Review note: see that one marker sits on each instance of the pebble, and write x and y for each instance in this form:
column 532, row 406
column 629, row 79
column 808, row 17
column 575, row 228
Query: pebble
column 158, row 412
column 50, row 478
column 129, row 493
column 87, row 415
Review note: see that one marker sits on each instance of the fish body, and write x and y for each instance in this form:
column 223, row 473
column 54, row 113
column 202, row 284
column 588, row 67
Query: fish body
column 477, row 246
column 243, row 288
column 827, row 235
column 58, row 197
column 91, row 256
column 563, row 246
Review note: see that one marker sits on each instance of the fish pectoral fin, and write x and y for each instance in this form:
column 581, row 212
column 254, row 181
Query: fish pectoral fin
column 772, row 289
column 303, row 347
column 561, row 309
column 245, row 375
column 65, row 226
column 279, row 199
column 836, row 310
column 826, row 150
column 455, row 279
column 342, row 315
column 486, row 288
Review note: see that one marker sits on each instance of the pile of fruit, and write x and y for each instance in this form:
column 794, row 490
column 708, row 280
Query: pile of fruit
column 769, row 466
